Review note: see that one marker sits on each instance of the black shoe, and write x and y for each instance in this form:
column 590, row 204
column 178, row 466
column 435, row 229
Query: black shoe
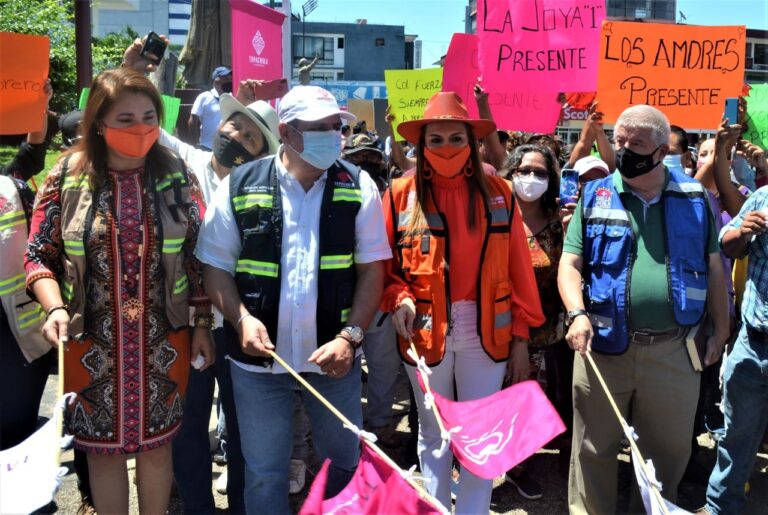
column 525, row 484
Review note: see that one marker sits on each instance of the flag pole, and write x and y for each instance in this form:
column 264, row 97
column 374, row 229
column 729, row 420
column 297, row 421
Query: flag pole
column 59, row 396
column 425, row 380
column 630, row 437
column 375, row 448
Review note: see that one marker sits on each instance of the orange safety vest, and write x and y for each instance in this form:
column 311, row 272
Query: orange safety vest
column 422, row 261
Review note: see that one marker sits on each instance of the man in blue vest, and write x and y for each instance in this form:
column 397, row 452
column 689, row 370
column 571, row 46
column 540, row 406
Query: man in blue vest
column 643, row 244
column 293, row 246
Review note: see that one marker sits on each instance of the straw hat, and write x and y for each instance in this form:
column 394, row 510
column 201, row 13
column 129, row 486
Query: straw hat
column 444, row 106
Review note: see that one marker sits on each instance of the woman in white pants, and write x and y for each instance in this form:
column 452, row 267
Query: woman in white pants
column 461, row 286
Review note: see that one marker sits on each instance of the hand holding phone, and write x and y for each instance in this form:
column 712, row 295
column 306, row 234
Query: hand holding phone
column 569, row 187
column 153, row 49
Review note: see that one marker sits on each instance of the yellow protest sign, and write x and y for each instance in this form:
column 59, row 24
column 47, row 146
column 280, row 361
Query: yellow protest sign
column 408, row 92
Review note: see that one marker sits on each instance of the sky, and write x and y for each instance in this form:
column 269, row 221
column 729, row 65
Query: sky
column 434, row 21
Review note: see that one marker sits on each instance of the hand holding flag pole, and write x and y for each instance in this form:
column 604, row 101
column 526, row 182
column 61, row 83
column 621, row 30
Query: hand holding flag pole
column 630, row 434
column 366, row 437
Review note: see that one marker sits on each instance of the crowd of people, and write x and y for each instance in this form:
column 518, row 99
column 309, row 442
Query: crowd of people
column 297, row 235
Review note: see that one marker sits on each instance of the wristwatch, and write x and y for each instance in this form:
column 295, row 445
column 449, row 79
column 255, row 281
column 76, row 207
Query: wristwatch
column 353, row 334
column 573, row 314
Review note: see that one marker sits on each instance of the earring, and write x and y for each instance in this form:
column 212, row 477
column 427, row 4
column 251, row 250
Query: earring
column 468, row 170
column 427, row 172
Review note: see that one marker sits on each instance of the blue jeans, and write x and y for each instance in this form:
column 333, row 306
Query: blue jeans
column 191, row 448
column 745, row 403
column 265, row 407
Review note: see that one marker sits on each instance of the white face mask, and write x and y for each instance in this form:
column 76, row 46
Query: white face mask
column 529, row 187
column 674, row 162
column 321, row 148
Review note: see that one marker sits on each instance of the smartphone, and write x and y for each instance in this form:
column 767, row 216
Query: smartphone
column 732, row 110
column 153, row 49
column 569, row 187
column 270, row 89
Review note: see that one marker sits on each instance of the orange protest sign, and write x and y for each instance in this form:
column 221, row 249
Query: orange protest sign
column 23, row 70
column 685, row 71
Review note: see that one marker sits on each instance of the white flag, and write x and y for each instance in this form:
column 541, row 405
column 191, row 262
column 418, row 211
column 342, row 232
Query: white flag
column 651, row 501
column 30, row 473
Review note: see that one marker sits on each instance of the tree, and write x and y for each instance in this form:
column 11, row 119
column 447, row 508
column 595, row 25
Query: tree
column 55, row 19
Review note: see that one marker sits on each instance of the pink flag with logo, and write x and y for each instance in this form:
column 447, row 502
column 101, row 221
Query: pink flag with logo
column 257, row 42
column 491, row 435
column 529, row 111
column 375, row 488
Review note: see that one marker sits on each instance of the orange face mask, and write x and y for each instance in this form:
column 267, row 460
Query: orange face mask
column 134, row 141
column 447, row 160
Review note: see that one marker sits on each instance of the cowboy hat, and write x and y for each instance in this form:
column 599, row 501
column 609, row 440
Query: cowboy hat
column 259, row 112
column 444, row 106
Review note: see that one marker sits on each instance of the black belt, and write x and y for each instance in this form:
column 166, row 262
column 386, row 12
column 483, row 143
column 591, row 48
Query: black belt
column 651, row 337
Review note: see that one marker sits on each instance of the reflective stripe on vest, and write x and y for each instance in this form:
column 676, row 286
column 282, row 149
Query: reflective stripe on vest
column 75, row 183
column 249, row 200
column 66, row 290
column 251, row 267
column 345, row 314
column 29, row 319
column 172, row 246
column 74, row 247
column 346, row 195
column 423, row 321
column 503, row 319
column 12, row 219
column 168, row 180
column 181, row 285
column 433, row 220
column 336, row 262
column 12, row 285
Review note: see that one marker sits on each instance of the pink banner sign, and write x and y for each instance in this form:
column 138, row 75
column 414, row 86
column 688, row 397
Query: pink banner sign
column 375, row 487
column 491, row 435
column 540, row 45
column 257, row 42
column 528, row 111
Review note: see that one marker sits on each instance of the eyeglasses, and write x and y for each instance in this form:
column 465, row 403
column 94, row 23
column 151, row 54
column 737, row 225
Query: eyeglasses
column 540, row 173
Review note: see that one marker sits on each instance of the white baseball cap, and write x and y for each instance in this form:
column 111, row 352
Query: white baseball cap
column 588, row 163
column 309, row 104
column 259, row 112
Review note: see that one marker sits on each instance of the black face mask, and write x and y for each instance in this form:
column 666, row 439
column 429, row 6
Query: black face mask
column 229, row 152
column 631, row 164
column 226, row 87
column 374, row 168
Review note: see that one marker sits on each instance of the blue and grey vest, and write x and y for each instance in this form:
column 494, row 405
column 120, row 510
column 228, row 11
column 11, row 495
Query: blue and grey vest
column 257, row 206
column 609, row 252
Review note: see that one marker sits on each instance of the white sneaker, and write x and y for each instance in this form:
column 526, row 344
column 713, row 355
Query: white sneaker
column 221, row 483
column 297, row 476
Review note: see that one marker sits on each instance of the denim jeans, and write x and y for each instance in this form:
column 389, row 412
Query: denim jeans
column 265, row 406
column 380, row 348
column 745, row 405
column 191, row 448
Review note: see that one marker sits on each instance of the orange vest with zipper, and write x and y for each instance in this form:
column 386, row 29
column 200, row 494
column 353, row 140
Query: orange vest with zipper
column 421, row 258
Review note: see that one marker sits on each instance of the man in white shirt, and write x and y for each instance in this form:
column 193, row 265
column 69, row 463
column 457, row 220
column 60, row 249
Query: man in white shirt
column 293, row 247
column 206, row 116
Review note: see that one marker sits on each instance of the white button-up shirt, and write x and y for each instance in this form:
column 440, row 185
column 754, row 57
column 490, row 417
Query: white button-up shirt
column 206, row 107
column 219, row 245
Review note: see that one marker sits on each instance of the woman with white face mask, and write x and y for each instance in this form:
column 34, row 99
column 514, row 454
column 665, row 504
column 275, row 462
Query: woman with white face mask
column 533, row 171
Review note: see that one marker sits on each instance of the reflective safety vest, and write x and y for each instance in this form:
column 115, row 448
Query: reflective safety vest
column 76, row 217
column 258, row 210
column 25, row 316
column 610, row 247
column 422, row 257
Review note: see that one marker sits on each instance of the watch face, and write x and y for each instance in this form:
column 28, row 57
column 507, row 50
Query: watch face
column 355, row 333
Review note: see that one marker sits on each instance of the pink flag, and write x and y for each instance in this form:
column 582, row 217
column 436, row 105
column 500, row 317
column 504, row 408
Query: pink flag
column 491, row 435
column 540, row 45
column 529, row 111
column 375, row 488
column 257, row 42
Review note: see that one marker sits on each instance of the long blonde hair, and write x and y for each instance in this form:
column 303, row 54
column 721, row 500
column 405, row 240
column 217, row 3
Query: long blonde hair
column 477, row 182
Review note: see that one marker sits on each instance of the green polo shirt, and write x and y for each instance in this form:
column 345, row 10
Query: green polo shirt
column 650, row 306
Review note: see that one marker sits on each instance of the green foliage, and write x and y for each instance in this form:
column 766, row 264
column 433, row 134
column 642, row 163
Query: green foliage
column 55, row 19
column 47, row 18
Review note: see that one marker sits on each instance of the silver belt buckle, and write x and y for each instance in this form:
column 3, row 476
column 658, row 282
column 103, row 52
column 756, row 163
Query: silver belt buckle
column 641, row 333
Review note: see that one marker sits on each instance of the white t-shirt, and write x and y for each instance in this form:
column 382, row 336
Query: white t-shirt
column 219, row 245
column 206, row 107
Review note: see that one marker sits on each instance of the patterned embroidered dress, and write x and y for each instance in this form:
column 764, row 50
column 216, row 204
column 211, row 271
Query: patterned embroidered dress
column 130, row 372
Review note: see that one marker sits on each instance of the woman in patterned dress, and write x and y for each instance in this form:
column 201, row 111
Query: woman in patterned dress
column 111, row 261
